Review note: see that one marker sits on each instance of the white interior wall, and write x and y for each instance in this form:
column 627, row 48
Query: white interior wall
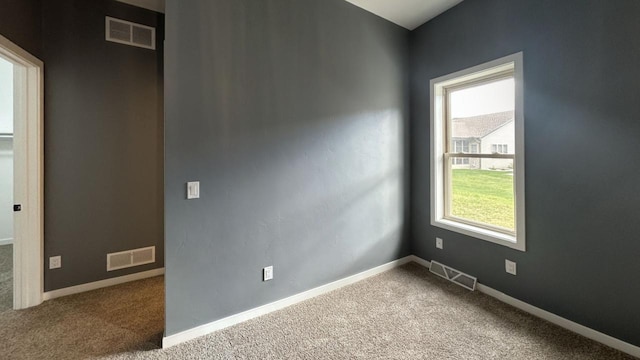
column 6, row 152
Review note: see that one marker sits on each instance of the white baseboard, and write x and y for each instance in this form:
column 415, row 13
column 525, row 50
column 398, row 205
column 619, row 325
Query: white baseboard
column 101, row 284
column 205, row 329
column 420, row 261
column 552, row 318
column 8, row 241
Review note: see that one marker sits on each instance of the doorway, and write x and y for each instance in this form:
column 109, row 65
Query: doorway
column 21, row 169
column 6, row 185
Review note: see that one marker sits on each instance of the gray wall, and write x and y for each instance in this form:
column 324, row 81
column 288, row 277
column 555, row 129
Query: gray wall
column 103, row 141
column 292, row 114
column 582, row 165
column 21, row 22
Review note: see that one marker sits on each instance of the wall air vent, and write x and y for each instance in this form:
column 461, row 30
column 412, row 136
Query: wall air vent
column 131, row 258
column 460, row 278
column 128, row 33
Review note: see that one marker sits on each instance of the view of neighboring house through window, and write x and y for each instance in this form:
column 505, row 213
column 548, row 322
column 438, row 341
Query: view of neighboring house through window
column 499, row 148
column 461, row 146
column 476, row 119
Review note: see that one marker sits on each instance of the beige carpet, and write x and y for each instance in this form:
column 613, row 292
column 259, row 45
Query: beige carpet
column 122, row 318
column 6, row 277
column 405, row 313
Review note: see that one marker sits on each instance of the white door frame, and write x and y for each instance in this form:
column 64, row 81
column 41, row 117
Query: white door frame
column 28, row 244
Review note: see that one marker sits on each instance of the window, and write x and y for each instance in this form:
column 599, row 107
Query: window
column 477, row 148
column 499, row 149
column 461, row 146
column 464, row 146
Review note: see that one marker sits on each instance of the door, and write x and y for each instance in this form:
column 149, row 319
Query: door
column 27, row 157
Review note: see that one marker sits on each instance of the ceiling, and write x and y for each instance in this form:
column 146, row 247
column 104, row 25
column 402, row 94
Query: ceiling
column 407, row 13
column 155, row 5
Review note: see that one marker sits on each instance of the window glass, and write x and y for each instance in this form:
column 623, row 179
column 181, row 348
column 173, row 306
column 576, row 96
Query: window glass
column 477, row 134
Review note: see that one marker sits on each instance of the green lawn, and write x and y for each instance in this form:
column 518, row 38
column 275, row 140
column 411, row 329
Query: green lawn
column 484, row 195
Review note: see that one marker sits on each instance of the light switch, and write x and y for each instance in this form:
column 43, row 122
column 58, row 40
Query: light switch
column 267, row 273
column 193, row 190
column 510, row 267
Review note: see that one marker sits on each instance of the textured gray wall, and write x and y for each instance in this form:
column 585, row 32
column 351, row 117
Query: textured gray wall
column 103, row 141
column 582, row 165
column 292, row 114
column 21, row 22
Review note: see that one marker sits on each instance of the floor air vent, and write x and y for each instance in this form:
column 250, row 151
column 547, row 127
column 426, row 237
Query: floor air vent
column 131, row 258
column 128, row 33
column 462, row 279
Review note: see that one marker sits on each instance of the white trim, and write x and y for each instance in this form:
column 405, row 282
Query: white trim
column 28, row 190
column 478, row 232
column 101, row 284
column 552, row 318
column 562, row 322
column 15, row 53
column 211, row 327
column 420, row 261
column 512, row 62
column 205, row 329
column 7, row 241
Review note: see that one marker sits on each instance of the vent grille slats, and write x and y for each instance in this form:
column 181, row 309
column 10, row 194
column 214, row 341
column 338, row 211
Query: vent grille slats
column 119, row 261
column 119, row 31
column 451, row 273
column 128, row 33
column 131, row 258
column 142, row 36
column 466, row 281
column 140, row 257
column 460, row 278
column 438, row 270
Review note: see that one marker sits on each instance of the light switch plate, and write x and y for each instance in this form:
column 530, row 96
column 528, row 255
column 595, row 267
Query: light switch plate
column 510, row 267
column 267, row 273
column 193, row 190
column 439, row 243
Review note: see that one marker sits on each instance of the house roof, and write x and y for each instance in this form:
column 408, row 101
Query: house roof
column 481, row 125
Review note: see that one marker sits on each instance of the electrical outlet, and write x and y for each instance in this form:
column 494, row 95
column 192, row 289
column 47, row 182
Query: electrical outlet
column 55, row 262
column 267, row 273
column 439, row 243
column 510, row 267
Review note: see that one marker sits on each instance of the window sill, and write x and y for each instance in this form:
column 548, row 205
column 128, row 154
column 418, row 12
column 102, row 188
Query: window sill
column 483, row 234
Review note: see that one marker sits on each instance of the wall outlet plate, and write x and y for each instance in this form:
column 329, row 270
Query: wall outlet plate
column 439, row 243
column 267, row 273
column 55, row 262
column 510, row 267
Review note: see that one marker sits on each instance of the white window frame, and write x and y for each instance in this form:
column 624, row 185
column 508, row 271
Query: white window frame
column 439, row 165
